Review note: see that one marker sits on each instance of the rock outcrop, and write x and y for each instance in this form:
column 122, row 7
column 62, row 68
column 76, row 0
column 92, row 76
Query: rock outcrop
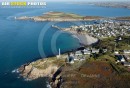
column 40, row 68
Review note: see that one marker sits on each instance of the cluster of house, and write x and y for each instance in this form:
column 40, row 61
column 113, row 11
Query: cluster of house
column 105, row 28
column 80, row 55
column 123, row 58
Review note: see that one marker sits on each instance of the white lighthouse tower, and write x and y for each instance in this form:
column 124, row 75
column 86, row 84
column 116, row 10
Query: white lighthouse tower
column 58, row 56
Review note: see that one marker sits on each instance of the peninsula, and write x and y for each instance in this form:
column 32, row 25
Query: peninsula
column 96, row 66
column 58, row 16
column 123, row 18
column 108, row 4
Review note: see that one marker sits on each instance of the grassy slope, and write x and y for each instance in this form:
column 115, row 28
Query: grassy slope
column 66, row 15
column 97, row 74
column 60, row 15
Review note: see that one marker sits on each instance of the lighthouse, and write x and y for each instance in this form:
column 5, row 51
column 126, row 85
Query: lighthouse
column 59, row 52
column 58, row 56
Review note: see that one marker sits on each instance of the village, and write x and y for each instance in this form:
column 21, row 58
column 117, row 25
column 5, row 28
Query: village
column 122, row 57
column 103, row 30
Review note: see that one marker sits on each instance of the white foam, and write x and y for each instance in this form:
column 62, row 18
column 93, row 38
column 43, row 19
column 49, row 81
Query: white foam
column 15, row 71
column 10, row 18
column 48, row 85
column 27, row 79
column 18, row 77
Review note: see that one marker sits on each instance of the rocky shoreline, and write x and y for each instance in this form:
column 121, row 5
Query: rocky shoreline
column 51, row 68
column 37, row 19
column 81, row 74
column 60, row 17
column 40, row 68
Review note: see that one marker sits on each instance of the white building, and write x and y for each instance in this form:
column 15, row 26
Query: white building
column 127, row 64
column 116, row 52
column 78, row 53
column 126, row 51
column 95, row 51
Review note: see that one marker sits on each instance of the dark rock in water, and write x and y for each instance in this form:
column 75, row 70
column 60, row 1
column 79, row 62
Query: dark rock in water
column 22, row 68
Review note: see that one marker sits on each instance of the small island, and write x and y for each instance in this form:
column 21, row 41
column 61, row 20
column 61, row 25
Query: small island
column 59, row 16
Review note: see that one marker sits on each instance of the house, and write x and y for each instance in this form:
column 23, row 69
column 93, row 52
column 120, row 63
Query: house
column 104, row 50
column 95, row 51
column 86, row 52
column 127, row 64
column 120, row 58
column 78, row 53
column 120, row 39
column 126, row 56
column 126, row 51
column 82, row 58
column 76, row 58
column 70, row 58
column 116, row 52
column 117, row 61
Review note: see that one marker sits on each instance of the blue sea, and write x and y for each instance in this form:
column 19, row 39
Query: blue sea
column 25, row 41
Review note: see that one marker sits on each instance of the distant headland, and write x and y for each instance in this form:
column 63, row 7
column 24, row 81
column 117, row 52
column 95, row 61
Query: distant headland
column 113, row 4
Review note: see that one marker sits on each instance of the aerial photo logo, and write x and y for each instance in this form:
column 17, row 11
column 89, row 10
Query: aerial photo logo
column 22, row 4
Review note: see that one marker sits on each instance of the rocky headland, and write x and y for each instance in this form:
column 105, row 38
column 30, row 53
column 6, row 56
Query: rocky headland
column 81, row 74
column 40, row 68
column 52, row 68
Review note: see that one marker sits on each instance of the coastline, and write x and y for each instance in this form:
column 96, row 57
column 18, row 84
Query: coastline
column 67, row 17
column 50, row 66
column 75, row 74
column 38, row 69
column 59, row 17
column 108, row 4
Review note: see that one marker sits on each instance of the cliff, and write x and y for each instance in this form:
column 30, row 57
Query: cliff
column 41, row 68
